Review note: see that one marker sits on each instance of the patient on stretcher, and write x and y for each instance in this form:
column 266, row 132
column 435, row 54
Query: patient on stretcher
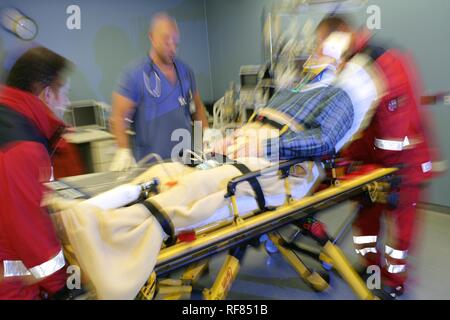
column 118, row 247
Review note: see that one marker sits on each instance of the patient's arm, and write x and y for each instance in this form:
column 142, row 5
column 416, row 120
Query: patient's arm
column 333, row 123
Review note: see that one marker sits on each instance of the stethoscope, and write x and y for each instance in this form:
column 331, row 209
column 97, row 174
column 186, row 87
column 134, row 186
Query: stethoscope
column 156, row 91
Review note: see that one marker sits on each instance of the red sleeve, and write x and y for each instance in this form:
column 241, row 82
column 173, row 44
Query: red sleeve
column 361, row 149
column 392, row 120
column 29, row 227
column 67, row 161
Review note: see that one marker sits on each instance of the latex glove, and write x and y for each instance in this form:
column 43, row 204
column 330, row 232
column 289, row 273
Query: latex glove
column 123, row 160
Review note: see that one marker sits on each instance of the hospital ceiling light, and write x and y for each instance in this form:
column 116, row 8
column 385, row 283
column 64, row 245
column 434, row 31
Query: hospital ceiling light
column 17, row 23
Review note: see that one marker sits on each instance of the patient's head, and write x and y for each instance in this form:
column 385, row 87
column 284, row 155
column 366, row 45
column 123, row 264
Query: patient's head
column 330, row 24
column 333, row 42
column 334, row 39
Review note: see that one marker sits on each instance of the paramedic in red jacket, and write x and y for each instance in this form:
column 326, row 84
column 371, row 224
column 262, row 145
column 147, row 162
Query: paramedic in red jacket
column 32, row 264
column 397, row 136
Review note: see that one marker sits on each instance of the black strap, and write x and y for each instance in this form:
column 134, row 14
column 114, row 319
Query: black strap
column 222, row 159
column 254, row 183
column 374, row 51
column 16, row 127
column 68, row 294
column 163, row 220
column 265, row 120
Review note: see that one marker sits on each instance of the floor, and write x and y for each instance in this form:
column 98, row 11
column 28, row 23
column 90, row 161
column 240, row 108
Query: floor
column 263, row 276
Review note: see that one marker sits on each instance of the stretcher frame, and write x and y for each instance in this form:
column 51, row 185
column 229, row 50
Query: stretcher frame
column 234, row 235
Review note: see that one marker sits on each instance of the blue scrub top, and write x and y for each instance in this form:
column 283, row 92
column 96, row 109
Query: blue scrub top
column 161, row 107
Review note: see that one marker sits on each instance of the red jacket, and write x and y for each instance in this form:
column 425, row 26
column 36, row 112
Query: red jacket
column 397, row 134
column 27, row 239
column 67, row 160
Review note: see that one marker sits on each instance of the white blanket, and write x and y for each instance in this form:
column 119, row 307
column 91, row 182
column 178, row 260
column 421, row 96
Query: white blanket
column 117, row 249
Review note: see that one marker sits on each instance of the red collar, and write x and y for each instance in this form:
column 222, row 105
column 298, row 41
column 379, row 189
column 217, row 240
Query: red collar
column 362, row 39
column 34, row 109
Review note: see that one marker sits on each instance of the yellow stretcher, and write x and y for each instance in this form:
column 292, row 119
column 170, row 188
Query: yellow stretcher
column 234, row 235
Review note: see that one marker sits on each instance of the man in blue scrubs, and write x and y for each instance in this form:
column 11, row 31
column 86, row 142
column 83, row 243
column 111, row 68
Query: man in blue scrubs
column 155, row 94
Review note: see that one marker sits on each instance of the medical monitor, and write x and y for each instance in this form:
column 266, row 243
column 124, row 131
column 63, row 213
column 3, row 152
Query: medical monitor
column 86, row 114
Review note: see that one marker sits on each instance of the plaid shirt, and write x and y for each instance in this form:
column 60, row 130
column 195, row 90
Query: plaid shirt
column 326, row 115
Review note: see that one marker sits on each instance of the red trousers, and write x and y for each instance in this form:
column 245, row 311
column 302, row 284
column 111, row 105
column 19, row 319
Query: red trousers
column 401, row 224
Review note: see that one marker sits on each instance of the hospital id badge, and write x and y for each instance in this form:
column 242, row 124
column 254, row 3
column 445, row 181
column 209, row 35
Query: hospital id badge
column 182, row 101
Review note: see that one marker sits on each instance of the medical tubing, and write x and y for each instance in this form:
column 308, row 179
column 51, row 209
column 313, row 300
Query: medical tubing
column 159, row 160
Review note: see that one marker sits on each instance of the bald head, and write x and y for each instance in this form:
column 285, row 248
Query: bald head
column 164, row 37
column 162, row 20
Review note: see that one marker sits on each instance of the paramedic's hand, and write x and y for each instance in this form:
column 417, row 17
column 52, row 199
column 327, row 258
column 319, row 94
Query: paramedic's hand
column 123, row 160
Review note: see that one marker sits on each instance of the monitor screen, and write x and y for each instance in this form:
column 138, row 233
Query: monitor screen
column 249, row 80
column 84, row 116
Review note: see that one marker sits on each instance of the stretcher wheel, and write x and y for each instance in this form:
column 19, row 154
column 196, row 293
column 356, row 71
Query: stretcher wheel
column 327, row 266
column 270, row 247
